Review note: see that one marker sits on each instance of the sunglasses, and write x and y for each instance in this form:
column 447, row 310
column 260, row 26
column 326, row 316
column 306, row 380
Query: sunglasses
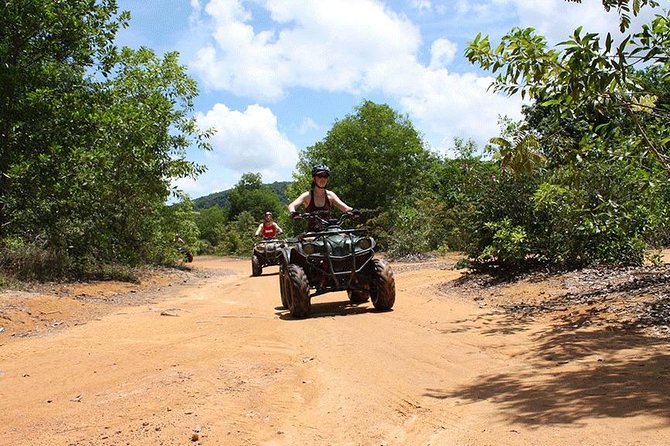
column 322, row 175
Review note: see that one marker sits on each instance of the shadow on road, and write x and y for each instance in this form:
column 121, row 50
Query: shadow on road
column 330, row 309
column 574, row 374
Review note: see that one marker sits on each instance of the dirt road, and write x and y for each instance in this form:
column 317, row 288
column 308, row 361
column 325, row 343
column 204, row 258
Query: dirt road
column 215, row 360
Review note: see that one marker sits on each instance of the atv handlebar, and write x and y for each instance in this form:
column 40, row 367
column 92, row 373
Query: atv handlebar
column 333, row 221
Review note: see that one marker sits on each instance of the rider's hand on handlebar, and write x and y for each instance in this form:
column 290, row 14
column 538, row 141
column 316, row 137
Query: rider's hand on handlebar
column 355, row 212
column 295, row 215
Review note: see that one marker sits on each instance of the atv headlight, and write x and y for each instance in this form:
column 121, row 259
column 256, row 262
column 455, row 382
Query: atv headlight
column 364, row 243
column 308, row 248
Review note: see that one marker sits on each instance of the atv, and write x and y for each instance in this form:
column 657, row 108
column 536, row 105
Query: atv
column 267, row 252
column 333, row 259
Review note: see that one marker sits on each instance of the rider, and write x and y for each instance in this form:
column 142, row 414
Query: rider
column 318, row 199
column 268, row 228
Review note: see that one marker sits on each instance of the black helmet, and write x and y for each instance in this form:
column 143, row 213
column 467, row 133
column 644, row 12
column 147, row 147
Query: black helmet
column 320, row 169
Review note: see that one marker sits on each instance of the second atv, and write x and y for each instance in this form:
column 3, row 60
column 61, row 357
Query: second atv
column 333, row 259
column 266, row 252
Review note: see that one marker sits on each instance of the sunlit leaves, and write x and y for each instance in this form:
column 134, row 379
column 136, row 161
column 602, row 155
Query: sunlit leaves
column 91, row 137
column 624, row 8
column 602, row 125
column 375, row 154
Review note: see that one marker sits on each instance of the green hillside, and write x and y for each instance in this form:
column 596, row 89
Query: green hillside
column 222, row 198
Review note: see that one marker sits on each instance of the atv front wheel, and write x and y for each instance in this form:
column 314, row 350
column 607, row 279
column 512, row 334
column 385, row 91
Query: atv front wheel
column 299, row 305
column 382, row 290
column 256, row 268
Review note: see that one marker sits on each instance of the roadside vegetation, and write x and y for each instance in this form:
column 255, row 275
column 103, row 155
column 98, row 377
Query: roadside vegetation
column 93, row 136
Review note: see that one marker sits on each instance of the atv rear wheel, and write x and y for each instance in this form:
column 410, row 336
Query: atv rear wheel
column 299, row 304
column 359, row 296
column 284, row 287
column 256, row 268
column 382, row 290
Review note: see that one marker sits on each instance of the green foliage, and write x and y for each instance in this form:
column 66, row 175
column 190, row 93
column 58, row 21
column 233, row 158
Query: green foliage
column 92, row 137
column 178, row 230
column 506, row 198
column 418, row 227
column 375, row 155
column 229, row 230
column 222, row 199
column 584, row 79
column 26, row 261
column 438, row 216
column 598, row 213
column 21, row 261
column 509, row 245
column 211, row 223
column 624, row 8
column 520, row 153
column 600, row 129
column 238, row 236
column 251, row 195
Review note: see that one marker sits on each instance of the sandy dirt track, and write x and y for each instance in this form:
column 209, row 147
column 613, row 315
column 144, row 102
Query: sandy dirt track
column 211, row 358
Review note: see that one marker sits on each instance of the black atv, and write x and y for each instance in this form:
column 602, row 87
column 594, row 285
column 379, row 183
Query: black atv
column 267, row 252
column 333, row 259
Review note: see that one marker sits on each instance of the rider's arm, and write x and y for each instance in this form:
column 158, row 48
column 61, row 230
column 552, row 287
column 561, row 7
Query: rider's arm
column 341, row 205
column 279, row 230
column 302, row 199
column 258, row 231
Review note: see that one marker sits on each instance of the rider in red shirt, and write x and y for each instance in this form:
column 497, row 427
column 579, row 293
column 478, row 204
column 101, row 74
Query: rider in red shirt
column 268, row 229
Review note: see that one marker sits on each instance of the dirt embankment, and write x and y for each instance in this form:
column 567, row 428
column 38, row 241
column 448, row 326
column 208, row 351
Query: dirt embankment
column 209, row 357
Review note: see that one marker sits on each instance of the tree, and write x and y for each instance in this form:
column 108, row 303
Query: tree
column 597, row 118
column 375, row 155
column 624, row 8
column 46, row 49
column 92, row 137
column 520, row 154
column 211, row 223
column 586, row 78
column 252, row 196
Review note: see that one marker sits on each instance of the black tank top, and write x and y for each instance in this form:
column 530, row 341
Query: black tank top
column 323, row 211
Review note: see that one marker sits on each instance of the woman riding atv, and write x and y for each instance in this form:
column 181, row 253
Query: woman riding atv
column 318, row 199
column 268, row 228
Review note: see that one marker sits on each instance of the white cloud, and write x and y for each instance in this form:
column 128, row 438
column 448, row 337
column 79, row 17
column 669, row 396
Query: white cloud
column 352, row 46
column 308, row 124
column 361, row 47
column 325, row 46
column 442, row 53
column 462, row 7
column 557, row 19
column 422, row 5
column 248, row 141
column 448, row 106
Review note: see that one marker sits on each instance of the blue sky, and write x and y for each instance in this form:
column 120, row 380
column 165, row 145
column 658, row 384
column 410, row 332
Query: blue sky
column 275, row 75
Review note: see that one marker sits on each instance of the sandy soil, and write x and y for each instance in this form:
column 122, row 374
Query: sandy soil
column 209, row 357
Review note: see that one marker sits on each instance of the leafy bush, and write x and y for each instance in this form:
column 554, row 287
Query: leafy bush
column 30, row 261
column 509, row 246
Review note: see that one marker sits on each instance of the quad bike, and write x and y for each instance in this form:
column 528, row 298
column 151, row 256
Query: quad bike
column 267, row 252
column 182, row 249
column 333, row 259
column 188, row 257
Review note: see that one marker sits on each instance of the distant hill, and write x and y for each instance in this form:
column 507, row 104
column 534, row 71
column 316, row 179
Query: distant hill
column 222, row 198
